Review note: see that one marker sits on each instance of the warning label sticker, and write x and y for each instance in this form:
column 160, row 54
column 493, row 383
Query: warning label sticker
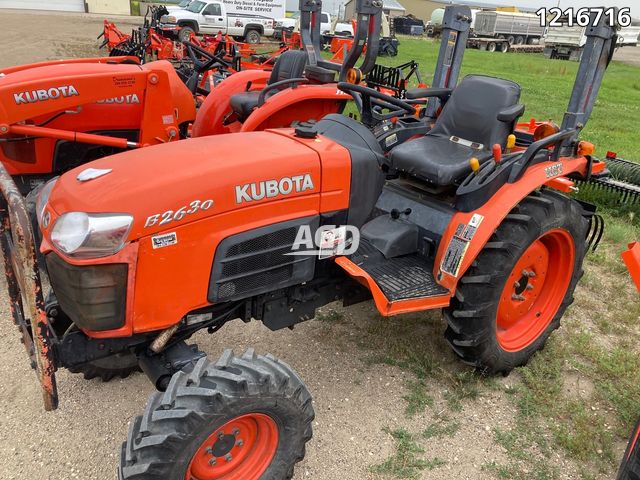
column 459, row 244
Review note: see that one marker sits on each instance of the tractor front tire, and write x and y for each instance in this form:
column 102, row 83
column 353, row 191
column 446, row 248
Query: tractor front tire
column 120, row 365
column 514, row 294
column 244, row 418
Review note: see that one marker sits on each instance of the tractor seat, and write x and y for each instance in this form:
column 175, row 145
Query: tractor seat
column 290, row 64
column 481, row 112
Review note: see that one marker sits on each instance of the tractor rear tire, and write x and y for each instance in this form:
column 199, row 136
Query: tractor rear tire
column 120, row 365
column 243, row 417
column 514, row 294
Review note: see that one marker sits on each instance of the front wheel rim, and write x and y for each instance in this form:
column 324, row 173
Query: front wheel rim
column 535, row 290
column 241, row 449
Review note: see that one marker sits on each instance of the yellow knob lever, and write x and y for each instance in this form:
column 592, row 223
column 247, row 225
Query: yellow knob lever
column 511, row 141
column 474, row 164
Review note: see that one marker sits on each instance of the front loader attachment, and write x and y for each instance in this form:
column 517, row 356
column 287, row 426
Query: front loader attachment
column 24, row 286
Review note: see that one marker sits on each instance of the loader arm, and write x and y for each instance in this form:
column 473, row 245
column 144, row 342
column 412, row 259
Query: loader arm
column 26, row 95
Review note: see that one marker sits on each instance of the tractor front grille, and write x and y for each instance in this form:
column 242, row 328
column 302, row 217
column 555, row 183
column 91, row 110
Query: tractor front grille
column 255, row 262
column 93, row 296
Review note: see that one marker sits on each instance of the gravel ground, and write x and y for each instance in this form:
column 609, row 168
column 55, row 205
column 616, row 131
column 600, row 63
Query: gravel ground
column 354, row 399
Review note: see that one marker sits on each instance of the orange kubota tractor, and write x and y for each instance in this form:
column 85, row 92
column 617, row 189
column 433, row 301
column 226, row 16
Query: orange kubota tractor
column 470, row 218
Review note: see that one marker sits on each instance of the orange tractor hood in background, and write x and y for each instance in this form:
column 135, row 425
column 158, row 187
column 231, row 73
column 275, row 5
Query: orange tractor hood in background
column 170, row 177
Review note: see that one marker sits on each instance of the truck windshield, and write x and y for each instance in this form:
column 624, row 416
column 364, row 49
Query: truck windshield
column 184, row 3
column 195, row 7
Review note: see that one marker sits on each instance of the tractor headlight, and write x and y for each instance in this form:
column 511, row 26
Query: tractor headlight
column 90, row 235
column 42, row 199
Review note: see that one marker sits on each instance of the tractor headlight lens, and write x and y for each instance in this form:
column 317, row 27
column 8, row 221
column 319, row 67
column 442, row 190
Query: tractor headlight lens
column 43, row 198
column 90, row 235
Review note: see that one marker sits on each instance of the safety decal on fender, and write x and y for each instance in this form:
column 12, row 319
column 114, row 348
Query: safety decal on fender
column 459, row 244
column 164, row 240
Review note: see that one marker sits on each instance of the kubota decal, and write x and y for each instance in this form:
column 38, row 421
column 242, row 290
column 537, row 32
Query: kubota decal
column 165, row 240
column 133, row 98
column 174, row 216
column 251, row 192
column 42, row 95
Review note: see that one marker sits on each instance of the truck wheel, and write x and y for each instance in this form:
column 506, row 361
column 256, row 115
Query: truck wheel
column 241, row 418
column 120, row 365
column 511, row 39
column 519, row 40
column 252, row 37
column 514, row 294
column 491, row 47
column 504, row 47
column 184, row 35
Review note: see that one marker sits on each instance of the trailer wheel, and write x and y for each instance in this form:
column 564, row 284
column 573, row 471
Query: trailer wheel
column 518, row 288
column 491, row 47
column 116, row 366
column 511, row 39
column 244, row 418
column 504, row 47
column 252, row 37
column 519, row 40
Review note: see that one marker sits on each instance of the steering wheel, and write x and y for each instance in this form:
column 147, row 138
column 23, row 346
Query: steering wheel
column 195, row 53
column 370, row 102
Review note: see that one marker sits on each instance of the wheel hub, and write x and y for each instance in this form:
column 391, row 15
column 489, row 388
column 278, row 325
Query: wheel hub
column 534, row 290
column 241, row 449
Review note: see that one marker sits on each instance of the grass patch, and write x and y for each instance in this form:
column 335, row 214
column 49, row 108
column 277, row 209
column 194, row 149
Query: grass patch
column 406, row 462
column 442, row 427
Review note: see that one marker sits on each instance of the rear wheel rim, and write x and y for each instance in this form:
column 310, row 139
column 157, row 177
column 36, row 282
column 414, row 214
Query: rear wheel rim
column 241, row 449
column 535, row 289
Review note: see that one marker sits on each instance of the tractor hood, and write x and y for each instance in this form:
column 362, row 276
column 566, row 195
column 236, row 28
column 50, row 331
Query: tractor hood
column 168, row 185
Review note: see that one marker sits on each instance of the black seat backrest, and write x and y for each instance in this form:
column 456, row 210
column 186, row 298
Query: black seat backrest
column 472, row 110
column 290, row 64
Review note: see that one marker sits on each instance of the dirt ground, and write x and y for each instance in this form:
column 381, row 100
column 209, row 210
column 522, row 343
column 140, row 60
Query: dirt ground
column 354, row 397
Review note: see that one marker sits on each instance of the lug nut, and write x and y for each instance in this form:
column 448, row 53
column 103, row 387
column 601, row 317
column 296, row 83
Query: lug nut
column 228, row 457
column 212, row 461
column 529, row 287
column 221, row 435
column 235, row 432
column 520, row 298
column 240, row 443
column 209, row 451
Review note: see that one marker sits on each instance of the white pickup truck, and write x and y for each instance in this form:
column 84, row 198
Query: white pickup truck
column 212, row 17
column 327, row 26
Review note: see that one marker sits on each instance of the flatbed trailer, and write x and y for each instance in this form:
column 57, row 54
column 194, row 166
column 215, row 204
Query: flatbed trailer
column 501, row 45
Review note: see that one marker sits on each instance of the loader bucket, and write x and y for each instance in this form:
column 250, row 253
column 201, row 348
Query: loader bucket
column 24, row 286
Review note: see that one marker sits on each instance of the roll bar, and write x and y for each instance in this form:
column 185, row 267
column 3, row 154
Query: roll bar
column 367, row 34
column 596, row 55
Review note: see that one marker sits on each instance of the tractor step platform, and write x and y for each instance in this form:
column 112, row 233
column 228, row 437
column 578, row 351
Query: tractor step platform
column 400, row 284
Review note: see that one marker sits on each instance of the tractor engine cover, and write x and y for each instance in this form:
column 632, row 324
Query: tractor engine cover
column 237, row 198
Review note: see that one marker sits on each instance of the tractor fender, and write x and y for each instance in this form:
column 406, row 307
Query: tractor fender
column 302, row 103
column 211, row 114
column 487, row 217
